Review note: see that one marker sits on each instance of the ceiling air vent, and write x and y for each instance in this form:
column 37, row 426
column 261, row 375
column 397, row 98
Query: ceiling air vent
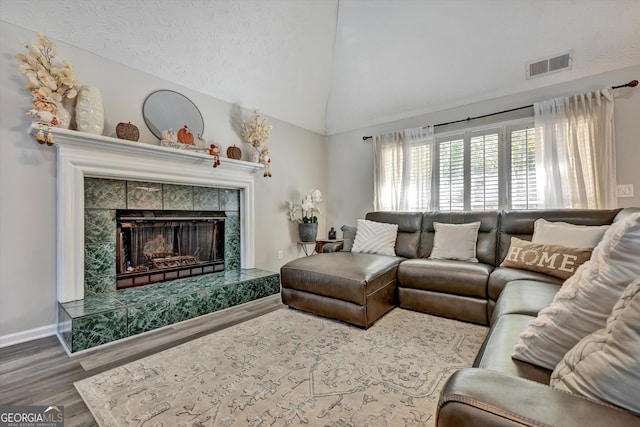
column 550, row 65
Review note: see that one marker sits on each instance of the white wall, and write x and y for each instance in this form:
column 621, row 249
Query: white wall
column 28, row 174
column 350, row 181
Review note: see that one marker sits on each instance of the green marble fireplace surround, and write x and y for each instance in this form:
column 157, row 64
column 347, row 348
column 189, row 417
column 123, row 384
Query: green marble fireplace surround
column 106, row 314
column 106, row 317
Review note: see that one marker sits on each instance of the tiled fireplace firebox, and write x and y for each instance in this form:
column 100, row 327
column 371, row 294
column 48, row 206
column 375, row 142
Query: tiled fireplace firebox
column 98, row 176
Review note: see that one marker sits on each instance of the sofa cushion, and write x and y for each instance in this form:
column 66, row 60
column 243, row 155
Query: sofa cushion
column 449, row 276
column 484, row 398
column 606, row 364
column 524, row 297
column 455, row 241
column 348, row 236
column 554, row 260
column 565, row 234
column 409, row 226
column 343, row 275
column 519, row 223
column 375, row 238
column 503, row 275
column 486, row 243
column 584, row 302
column 496, row 350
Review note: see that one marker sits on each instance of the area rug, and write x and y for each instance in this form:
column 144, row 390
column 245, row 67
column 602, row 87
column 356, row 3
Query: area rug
column 291, row 368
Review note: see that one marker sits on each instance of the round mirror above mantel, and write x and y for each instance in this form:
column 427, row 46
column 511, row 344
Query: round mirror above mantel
column 167, row 109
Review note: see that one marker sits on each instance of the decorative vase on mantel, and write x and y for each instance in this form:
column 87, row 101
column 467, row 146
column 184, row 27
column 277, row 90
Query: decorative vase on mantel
column 254, row 155
column 90, row 111
column 308, row 231
column 63, row 115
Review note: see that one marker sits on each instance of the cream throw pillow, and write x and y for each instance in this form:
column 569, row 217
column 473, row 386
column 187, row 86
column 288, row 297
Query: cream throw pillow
column 455, row 241
column 375, row 237
column 585, row 300
column 606, row 364
column 565, row 234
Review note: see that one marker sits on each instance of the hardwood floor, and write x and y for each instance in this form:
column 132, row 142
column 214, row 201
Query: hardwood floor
column 39, row 372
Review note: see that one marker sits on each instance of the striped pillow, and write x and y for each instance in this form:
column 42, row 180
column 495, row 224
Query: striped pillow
column 375, row 238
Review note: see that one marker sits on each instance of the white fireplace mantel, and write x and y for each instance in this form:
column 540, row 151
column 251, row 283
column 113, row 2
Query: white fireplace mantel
column 81, row 155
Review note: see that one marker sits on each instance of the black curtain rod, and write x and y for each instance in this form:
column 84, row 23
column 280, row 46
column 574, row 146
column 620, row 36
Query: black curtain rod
column 632, row 83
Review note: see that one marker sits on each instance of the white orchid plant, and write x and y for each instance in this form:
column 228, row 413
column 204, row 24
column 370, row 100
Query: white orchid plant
column 47, row 79
column 308, row 208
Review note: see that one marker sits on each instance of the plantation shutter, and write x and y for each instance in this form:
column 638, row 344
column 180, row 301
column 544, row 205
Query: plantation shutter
column 485, row 174
column 451, row 174
column 524, row 191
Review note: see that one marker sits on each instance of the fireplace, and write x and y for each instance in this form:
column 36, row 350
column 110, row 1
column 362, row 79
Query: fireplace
column 156, row 246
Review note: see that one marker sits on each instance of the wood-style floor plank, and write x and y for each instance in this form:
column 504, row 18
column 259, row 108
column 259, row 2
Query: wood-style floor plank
column 40, row 372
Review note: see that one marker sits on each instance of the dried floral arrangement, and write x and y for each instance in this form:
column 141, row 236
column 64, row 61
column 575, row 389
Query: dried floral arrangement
column 256, row 132
column 50, row 82
column 48, row 78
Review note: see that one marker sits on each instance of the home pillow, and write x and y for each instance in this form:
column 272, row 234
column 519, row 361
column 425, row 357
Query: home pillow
column 554, row 260
column 455, row 241
column 606, row 364
column 348, row 236
column 585, row 300
column 375, row 237
column 565, row 234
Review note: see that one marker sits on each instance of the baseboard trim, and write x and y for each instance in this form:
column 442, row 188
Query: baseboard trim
column 29, row 335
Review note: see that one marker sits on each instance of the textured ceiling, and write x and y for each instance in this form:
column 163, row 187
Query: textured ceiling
column 332, row 66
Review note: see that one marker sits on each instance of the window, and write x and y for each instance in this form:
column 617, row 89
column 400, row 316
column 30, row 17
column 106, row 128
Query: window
column 475, row 170
column 523, row 193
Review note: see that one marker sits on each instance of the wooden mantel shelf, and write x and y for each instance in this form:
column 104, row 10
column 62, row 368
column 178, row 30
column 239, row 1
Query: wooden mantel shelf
column 66, row 137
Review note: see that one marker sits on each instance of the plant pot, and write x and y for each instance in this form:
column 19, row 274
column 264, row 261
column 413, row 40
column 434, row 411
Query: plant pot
column 308, row 231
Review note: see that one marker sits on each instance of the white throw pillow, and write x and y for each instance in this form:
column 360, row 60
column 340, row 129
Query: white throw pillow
column 585, row 300
column 606, row 364
column 375, row 237
column 568, row 235
column 455, row 241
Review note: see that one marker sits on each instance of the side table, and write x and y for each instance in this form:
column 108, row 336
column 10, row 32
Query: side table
column 305, row 247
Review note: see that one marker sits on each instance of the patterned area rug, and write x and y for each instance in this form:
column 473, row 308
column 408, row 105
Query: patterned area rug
column 291, row 368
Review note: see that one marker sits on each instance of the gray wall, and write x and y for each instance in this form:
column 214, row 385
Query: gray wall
column 28, row 175
column 350, row 181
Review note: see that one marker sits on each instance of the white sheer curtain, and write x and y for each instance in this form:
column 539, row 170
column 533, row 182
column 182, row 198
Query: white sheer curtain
column 387, row 171
column 575, row 151
column 402, row 170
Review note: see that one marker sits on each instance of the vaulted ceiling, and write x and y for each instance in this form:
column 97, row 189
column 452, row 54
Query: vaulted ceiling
column 336, row 65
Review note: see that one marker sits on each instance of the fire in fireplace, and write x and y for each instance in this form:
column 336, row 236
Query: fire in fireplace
column 156, row 246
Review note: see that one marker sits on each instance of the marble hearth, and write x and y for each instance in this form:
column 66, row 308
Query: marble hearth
column 94, row 178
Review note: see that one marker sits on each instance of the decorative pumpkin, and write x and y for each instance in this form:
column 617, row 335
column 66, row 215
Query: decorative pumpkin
column 234, row 153
column 185, row 136
column 170, row 135
column 127, row 131
column 199, row 142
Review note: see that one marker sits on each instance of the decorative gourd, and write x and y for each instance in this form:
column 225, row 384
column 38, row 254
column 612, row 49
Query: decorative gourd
column 199, row 142
column 185, row 136
column 234, row 153
column 170, row 135
column 127, row 131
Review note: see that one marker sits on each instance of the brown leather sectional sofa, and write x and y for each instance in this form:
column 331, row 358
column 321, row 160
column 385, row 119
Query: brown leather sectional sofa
column 360, row 288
